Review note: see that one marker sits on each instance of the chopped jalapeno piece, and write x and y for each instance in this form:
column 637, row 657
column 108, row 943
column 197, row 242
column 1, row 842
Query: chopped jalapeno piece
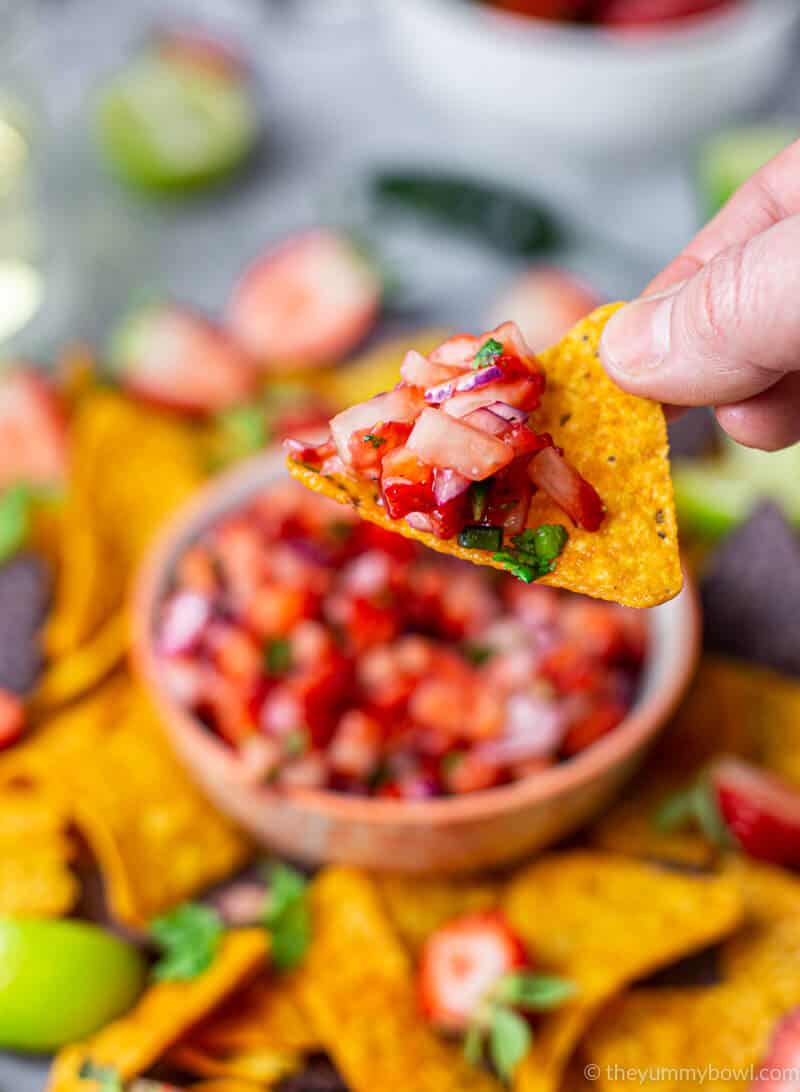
column 481, row 538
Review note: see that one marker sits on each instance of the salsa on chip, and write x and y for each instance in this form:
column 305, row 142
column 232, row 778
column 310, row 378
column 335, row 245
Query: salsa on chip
column 539, row 466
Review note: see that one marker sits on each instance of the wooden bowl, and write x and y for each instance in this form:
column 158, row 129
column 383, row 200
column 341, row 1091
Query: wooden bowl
column 464, row 833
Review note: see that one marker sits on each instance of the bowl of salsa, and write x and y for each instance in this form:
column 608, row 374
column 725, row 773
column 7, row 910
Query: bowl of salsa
column 347, row 694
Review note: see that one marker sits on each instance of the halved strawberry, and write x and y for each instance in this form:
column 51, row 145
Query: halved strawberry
column 545, row 303
column 460, row 964
column 780, row 1070
column 551, row 472
column 760, row 810
column 200, row 49
column 307, row 302
column 647, row 13
column 173, row 357
column 543, row 9
column 33, row 430
column 12, row 719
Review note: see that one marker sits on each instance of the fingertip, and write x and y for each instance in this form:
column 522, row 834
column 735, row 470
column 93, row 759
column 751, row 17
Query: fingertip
column 770, row 421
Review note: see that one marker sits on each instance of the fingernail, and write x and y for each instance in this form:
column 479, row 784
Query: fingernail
column 637, row 338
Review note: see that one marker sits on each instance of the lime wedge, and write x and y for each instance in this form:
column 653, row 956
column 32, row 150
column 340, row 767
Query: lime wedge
column 728, row 159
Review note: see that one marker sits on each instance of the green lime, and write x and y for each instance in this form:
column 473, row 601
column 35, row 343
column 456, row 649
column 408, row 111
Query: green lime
column 62, row 980
column 727, row 160
column 715, row 495
column 173, row 127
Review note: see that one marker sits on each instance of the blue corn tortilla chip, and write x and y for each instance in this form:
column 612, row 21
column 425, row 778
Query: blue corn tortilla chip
column 692, row 434
column 24, row 598
column 751, row 593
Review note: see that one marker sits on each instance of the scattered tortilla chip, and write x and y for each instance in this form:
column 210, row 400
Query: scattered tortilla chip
column 769, row 893
column 751, row 592
column 260, row 1064
column 417, row 906
column 225, row 1084
column 731, row 708
column 672, row 1036
column 74, row 674
column 604, row 921
column 357, row 986
column 24, row 595
column 619, row 443
column 35, row 854
column 157, row 838
column 164, row 1013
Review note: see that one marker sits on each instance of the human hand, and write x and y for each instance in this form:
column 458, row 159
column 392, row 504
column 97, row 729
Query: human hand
column 721, row 325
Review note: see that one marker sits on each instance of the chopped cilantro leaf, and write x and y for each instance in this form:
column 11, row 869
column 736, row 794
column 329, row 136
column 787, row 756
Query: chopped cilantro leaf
column 375, row 441
column 535, row 551
column 477, row 654
column 287, row 916
column 189, row 937
column 488, row 353
column 295, row 743
column 106, row 1077
column 277, row 656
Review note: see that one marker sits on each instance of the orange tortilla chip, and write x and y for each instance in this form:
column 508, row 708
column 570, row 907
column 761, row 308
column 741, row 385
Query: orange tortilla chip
column 156, row 837
column 731, row 708
column 357, row 986
column 417, row 906
column 670, row 1035
column 225, row 1084
column 163, row 1014
column 35, row 854
column 604, row 921
column 79, row 671
column 260, row 1064
column 619, row 443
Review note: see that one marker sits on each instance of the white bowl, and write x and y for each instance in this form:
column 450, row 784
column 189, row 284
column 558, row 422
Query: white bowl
column 586, row 90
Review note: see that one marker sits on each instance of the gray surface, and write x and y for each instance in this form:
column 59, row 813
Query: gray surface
column 333, row 104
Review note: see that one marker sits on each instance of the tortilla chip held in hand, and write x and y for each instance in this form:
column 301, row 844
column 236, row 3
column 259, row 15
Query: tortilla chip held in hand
column 537, row 465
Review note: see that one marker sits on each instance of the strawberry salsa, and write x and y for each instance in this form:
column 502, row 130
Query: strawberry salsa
column 454, row 454
column 333, row 654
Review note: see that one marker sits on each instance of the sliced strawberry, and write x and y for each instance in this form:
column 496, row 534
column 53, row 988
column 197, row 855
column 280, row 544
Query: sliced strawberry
column 461, row 962
column 307, row 302
column 173, row 357
column 550, row 471
column 12, row 719
column 780, row 1070
column 647, row 13
column 545, row 303
column 441, row 440
column 760, row 810
column 33, row 431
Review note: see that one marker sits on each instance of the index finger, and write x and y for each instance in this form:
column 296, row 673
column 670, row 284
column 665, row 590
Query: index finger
column 769, row 196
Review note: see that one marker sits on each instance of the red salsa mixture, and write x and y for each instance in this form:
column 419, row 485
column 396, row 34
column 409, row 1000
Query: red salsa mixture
column 454, row 453
column 332, row 654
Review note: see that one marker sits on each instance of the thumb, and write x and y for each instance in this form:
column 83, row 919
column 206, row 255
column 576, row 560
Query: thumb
column 730, row 331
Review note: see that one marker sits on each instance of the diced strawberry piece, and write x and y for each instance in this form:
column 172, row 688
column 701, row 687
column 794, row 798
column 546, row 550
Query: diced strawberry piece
column 274, row 609
column 450, row 518
column 456, row 351
column 236, row 655
column 240, row 559
column 418, row 371
column 522, row 393
column 33, row 431
column 406, row 483
column 444, row 441
column 356, row 745
column 402, row 405
column 779, row 1070
column 197, row 48
column 175, row 358
column 468, row 772
column 369, row 623
column 551, row 472
column 231, row 712
column 546, row 303
column 461, row 962
column 307, row 302
column 184, row 618
column 195, row 571
column 368, row 446
column 308, row 772
column 319, row 694
column 305, row 452
column 12, row 719
column 761, row 811
column 601, row 720
column 570, row 669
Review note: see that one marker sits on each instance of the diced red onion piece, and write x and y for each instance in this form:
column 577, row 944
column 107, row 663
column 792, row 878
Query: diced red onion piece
column 436, row 395
column 514, row 392
column 185, row 617
column 242, row 903
column 510, row 413
column 472, row 380
column 487, row 421
column 448, row 484
column 533, row 729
